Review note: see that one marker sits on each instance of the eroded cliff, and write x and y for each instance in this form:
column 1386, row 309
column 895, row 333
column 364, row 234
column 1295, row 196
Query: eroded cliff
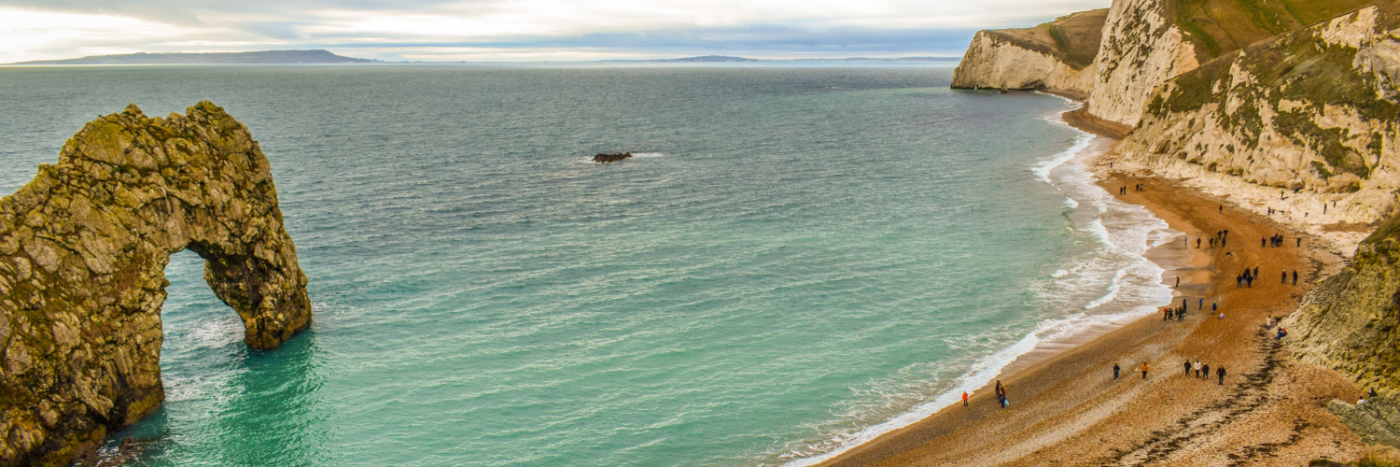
column 1141, row 45
column 1310, row 116
column 1055, row 56
column 1351, row 320
column 83, row 248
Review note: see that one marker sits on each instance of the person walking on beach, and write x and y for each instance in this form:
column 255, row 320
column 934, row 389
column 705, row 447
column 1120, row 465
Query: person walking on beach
column 1295, row 277
column 1187, row 365
column 1144, row 370
column 1198, row 243
column 1285, row 278
column 1221, row 373
column 964, row 398
column 1115, row 372
column 1178, row 281
column 1205, row 372
column 1200, row 303
column 1197, row 368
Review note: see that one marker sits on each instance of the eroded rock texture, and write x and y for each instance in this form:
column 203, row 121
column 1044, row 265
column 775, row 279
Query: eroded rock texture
column 83, row 249
column 1314, row 111
column 1351, row 320
column 1055, row 56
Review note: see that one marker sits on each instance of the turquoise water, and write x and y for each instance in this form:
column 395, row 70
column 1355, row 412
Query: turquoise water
column 798, row 254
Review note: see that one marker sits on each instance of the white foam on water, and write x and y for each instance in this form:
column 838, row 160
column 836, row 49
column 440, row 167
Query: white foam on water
column 1117, row 272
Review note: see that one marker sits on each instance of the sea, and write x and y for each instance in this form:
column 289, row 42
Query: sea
column 798, row 257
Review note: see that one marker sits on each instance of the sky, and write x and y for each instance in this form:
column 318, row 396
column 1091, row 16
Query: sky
column 514, row 30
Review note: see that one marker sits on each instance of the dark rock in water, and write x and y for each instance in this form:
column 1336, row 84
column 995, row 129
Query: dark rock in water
column 83, row 249
column 606, row 158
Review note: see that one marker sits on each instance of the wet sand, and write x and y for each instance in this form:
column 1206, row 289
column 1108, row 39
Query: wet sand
column 1067, row 410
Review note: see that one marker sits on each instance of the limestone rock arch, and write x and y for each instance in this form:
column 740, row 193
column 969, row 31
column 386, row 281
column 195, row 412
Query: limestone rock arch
column 83, row 248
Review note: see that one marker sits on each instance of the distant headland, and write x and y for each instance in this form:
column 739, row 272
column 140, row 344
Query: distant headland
column 266, row 57
column 726, row 58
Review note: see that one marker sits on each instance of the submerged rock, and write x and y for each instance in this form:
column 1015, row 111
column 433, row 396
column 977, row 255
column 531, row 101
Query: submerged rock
column 83, row 249
column 606, row 158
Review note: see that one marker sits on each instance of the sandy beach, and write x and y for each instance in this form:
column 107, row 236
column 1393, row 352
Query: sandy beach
column 1066, row 408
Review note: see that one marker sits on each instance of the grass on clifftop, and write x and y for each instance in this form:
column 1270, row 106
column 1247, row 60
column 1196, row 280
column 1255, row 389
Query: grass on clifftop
column 1074, row 38
column 1217, row 27
column 1297, row 67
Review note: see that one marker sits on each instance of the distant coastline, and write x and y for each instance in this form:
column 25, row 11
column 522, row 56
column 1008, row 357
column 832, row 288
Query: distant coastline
column 731, row 59
column 320, row 56
column 265, row 57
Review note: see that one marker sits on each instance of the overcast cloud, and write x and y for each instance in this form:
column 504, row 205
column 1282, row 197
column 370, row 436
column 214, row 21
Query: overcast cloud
column 499, row 30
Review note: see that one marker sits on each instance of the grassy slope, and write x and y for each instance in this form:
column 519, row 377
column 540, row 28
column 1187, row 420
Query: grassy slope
column 1074, row 39
column 1298, row 67
column 1217, row 27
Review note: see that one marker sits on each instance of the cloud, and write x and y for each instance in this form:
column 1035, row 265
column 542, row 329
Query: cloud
column 527, row 28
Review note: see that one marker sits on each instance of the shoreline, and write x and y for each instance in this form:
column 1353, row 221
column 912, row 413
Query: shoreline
column 1062, row 387
column 1034, row 349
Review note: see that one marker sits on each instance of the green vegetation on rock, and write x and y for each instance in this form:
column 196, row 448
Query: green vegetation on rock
column 83, row 249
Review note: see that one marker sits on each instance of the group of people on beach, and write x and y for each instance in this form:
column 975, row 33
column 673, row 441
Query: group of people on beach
column 1124, row 189
column 1202, row 371
column 1218, row 239
column 1001, row 396
column 1276, row 241
column 1117, row 369
column 1246, row 279
column 1270, row 323
column 1179, row 313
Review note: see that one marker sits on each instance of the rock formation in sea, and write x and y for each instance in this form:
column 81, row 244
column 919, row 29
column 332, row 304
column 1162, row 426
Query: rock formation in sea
column 609, row 158
column 83, row 249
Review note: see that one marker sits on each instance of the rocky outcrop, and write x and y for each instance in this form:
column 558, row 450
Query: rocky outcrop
column 1140, row 45
column 1313, row 112
column 1377, row 420
column 609, row 158
column 82, row 252
column 1054, row 57
column 1351, row 321
column 1142, row 48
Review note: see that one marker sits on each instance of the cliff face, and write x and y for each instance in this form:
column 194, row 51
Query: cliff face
column 1142, row 48
column 1055, row 56
column 1141, row 45
column 82, row 253
column 1313, row 110
column 1351, row 321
